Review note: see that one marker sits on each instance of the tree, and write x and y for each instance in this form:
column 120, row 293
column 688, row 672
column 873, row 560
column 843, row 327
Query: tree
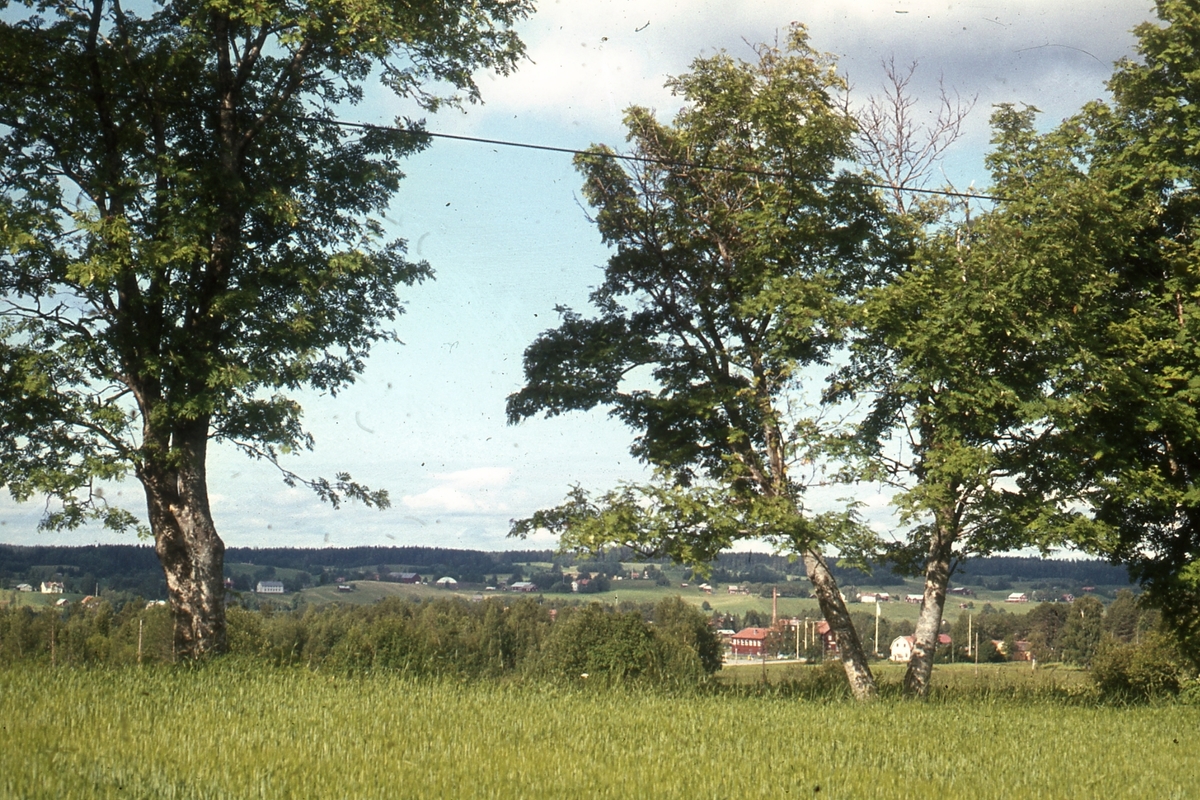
column 949, row 355
column 1109, row 199
column 187, row 237
column 737, row 243
column 1045, row 623
column 1122, row 618
column 680, row 621
column 1082, row 631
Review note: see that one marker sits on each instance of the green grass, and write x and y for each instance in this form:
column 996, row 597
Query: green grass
column 241, row 730
column 33, row 599
column 1013, row 679
column 368, row 592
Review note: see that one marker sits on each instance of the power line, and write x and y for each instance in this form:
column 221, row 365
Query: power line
column 642, row 159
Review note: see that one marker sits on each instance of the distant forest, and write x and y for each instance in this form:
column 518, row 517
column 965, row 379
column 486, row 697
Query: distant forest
column 135, row 568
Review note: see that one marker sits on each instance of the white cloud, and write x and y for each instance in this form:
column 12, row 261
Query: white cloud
column 465, row 491
column 588, row 61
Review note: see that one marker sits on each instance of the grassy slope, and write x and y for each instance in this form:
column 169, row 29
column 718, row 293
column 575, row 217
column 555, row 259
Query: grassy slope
column 249, row 731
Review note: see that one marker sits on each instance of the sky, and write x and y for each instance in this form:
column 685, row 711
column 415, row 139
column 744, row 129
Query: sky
column 508, row 237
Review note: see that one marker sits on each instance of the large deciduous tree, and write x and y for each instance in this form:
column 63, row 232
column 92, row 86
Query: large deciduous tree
column 186, row 236
column 737, row 243
column 1108, row 200
column 954, row 354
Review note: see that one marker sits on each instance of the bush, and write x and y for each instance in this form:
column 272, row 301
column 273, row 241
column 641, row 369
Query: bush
column 598, row 646
column 1151, row 668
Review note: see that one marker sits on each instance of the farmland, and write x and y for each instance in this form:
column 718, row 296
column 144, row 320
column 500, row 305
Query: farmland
column 248, row 730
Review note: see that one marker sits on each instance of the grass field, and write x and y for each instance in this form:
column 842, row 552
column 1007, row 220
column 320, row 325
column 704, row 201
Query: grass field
column 1014, row 679
column 242, row 730
column 646, row 592
column 33, row 599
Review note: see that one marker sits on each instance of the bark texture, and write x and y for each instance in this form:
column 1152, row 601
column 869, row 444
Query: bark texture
column 933, row 604
column 187, row 544
column 833, row 607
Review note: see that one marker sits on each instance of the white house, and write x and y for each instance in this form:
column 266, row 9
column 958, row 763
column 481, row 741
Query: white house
column 902, row 647
column 52, row 587
column 24, row 587
column 269, row 587
column 1017, row 597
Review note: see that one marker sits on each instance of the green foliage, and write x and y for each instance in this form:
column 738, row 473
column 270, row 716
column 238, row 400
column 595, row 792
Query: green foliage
column 500, row 637
column 91, row 635
column 1083, row 631
column 202, row 263
column 188, row 237
column 682, row 623
column 1139, row 670
column 1105, row 206
column 722, row 287
column 592, row 644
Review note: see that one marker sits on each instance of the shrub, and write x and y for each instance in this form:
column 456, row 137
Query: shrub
column 596, row 645
column 1151, row 668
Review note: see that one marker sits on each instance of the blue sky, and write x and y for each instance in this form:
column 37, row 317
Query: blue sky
column 505, row 233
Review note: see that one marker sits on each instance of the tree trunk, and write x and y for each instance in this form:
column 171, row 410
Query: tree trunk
column 186, row 540
column 933, row 604
column 854, row 660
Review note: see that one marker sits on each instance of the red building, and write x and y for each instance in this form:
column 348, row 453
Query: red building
column 828, row 637
column 748, row 641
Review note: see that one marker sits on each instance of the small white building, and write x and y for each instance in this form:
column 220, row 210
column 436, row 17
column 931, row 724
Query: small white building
column 902, row 647
column 447, row 582
column 52, row 587
column 1017, row 597
column 24, row 587
column 269, row 587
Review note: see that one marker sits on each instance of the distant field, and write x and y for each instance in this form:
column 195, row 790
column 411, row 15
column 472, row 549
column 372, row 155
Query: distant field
column 645, row 591
column 245, row 730
column 34, row 599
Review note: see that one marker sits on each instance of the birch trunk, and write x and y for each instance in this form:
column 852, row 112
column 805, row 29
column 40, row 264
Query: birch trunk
column 833, row 607
column 933, row 605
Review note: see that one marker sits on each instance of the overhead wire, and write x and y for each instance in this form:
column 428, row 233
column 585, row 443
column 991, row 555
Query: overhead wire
column 643, row 159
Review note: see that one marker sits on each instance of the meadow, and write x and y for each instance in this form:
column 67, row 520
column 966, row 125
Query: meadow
column 242, row 729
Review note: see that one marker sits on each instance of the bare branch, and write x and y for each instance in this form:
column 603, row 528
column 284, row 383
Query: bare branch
column 893, row 141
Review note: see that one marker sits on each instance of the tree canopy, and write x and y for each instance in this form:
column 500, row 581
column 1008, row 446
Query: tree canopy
column 1105, row 206
column 738, row 242
column 187, row 236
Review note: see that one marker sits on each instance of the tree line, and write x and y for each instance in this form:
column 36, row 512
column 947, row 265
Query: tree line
column 135, row 569
column 669, row 643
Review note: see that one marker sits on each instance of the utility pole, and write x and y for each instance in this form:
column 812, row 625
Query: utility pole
column 970, row 633
column 763, row 653
column 877, row 627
